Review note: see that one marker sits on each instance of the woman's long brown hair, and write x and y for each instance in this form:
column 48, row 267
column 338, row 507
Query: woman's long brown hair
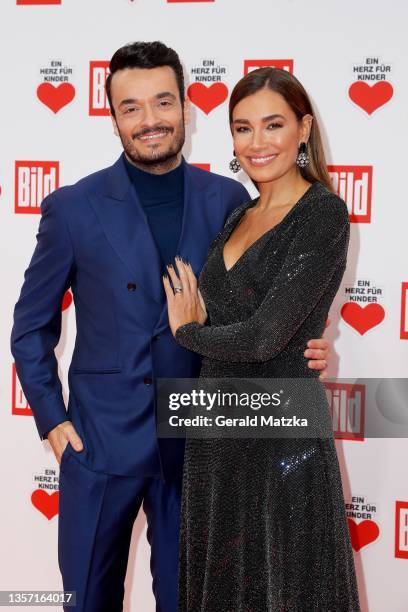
column 295, row 95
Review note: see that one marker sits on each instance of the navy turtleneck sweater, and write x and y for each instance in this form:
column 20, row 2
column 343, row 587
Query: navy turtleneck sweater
column 162, row 199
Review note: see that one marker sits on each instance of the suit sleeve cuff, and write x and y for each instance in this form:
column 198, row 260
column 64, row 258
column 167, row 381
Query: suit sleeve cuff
column 51, row 414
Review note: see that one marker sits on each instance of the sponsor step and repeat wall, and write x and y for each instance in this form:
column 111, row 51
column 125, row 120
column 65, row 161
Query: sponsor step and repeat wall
column 351, row 57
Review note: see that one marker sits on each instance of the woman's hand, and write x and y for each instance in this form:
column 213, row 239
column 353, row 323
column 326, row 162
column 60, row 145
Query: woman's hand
column 187, row 305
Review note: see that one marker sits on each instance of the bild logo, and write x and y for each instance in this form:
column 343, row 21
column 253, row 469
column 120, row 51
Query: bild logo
column 404, row 311
column 401, row 529
column 34, row 180
column 19, row 404
column 28, row 2
column 283, row 64
column 347, row 409
column 354, row 185
column 203, row 166
column 98, row 101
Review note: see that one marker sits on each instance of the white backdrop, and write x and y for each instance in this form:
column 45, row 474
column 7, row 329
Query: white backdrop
column 352, row 58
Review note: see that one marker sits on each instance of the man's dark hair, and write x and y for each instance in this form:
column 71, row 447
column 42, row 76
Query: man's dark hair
column 144, row 55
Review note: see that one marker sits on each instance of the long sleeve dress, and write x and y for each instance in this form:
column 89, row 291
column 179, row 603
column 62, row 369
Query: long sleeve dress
column 263, row 525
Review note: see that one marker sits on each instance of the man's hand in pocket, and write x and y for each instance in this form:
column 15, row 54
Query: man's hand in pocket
column 60, row 436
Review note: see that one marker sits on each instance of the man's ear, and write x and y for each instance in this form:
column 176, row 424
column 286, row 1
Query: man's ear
column 115, row 125
column 187, row 110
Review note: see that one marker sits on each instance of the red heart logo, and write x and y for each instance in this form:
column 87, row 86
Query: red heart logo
column 207, row 98
column 55, row 97
column 46, row 503
column 66, row 300
column 362, row 318
column 370, row 97
column 362, row 533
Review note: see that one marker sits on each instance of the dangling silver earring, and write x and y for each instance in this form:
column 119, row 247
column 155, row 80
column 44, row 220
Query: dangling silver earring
column 303, row 158
column 234, row 164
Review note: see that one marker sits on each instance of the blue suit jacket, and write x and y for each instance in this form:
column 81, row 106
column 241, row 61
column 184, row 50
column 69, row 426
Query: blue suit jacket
column 94, row 237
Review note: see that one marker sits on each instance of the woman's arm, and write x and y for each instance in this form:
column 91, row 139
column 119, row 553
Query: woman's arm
column 318, row 251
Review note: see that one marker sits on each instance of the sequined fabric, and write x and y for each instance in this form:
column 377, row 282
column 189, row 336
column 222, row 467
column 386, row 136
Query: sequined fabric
column 263, row 526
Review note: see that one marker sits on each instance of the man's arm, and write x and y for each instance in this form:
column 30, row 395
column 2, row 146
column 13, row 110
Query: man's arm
column 37, row 318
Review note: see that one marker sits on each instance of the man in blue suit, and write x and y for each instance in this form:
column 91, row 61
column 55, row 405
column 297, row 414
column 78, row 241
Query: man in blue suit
column 109, row 237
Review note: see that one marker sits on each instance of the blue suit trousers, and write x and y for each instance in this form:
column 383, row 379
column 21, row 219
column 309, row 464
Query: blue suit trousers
column 96, row 517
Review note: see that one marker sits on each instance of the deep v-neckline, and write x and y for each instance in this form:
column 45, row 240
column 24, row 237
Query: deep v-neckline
column 250, row 205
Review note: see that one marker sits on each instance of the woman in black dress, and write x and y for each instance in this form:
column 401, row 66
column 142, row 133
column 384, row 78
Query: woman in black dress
column 263, row 526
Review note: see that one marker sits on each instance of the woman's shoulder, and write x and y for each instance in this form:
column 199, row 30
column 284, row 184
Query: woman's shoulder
column 326, row 205
column 236, row 213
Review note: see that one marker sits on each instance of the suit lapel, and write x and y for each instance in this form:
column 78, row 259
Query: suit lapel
column 125, row 225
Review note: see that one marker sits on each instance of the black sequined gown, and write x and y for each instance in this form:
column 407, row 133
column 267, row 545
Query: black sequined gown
column 263, row 526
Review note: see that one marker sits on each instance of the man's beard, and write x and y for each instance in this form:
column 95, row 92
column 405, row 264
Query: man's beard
column 156, row 161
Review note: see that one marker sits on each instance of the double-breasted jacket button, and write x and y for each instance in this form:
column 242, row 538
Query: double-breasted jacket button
column 147, row 380
column 131, row 286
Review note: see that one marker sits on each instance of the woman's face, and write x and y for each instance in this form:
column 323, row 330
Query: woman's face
column 267, row 134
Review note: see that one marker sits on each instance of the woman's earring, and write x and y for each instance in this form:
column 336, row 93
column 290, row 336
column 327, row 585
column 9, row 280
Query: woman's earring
column 303, row 158
column 234, row 164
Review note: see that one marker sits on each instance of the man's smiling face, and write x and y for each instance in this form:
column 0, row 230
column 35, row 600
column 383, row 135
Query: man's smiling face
column 149, row 116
